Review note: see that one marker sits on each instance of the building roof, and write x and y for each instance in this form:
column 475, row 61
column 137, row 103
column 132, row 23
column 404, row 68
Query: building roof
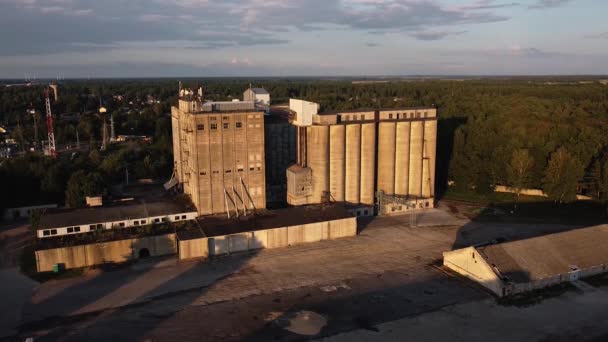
column 260, row 91
column 218, row 225
column 550, row 255
column 78, row 217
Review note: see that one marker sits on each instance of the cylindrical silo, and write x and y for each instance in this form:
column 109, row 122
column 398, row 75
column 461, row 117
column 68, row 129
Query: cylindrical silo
column 353, row 163
column 430, row 154
column 318, row 160
column 415, row 181
column 337, row 144
column 402, row 159
column 368, row 167
column 386, row 157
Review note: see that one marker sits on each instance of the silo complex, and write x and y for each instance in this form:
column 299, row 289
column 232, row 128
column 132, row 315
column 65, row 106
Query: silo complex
column 357, row 156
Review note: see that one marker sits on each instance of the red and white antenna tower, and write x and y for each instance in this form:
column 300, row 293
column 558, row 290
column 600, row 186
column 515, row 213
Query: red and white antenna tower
column 52, row 151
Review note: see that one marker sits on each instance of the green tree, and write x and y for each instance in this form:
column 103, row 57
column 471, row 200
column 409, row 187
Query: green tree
column 82, row 185
column 562, row 176
column 518, row 170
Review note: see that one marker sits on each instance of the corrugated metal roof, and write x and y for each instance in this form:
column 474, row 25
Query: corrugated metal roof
column 550, row 255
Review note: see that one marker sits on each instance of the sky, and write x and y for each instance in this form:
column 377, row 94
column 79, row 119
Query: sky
column 208, row 38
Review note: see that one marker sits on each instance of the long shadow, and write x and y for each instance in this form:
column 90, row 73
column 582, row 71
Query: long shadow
column 84, row 291
column 503, row 222
column 173, row 289
column 446, row 129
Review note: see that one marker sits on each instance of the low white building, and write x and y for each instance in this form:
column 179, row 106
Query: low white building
column 258, row 95
column 530, row 264
column 80, row 221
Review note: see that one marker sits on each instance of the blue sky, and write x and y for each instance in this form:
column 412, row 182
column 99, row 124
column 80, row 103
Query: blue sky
column 139, row 38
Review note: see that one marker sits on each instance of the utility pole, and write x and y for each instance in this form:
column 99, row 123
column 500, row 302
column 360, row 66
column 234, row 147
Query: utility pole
column 52, row 151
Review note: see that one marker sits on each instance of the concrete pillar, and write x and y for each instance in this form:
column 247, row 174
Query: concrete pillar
column 368, row 167
column 337, row 161
column 416, row 136
column 386, row 157
column 402, row 159
column 353, row 163
column 318, row 160
column 430, row 154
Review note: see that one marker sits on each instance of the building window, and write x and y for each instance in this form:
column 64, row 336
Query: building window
column 216, row 172
column 362, row 117
column 365, row 212
column 239, row 124
column 136, row 223
column 390, row 116
column 53, row 231
column 226, row 125
column 122, row 224
column 176, row 218
column 226, row 118
column 183, row 217
column 165, row 219
column 73, row 229
column 46, row 232
column 240, row 169
column 200, row 127
column 143, row 221
column 92, row 227
column 156, row 220
column 213, row 126
column 204, row 173
column 228, row 171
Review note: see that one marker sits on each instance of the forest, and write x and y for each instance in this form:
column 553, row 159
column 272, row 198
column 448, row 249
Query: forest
column 519, row 132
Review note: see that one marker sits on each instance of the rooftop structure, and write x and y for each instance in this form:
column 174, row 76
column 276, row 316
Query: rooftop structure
column 219, row 154
column 525, row 265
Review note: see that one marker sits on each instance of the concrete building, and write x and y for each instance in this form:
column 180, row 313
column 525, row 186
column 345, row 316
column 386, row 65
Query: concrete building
column 257, row 95
column 81, row 221
column 530, row 264
column 280, row 141
column 219, row 154
column 364, row 157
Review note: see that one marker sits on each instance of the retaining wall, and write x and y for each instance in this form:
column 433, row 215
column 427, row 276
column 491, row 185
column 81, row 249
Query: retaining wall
column 105, row 252
column 268, row 238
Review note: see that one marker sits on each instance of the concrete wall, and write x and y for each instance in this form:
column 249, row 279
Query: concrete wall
column 469, row 263
column 106, row 252
column 269, row 238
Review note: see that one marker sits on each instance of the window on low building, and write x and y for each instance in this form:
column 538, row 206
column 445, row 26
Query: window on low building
column 46, row 232
column 121, row 224
column 143, row 221
column 156, row 220
column 390, row 116
column 70, row 230
column 239, row 124
column 213, row 126
column 165, row 219
column 226, row 125
column 53, row 231
column 176, row 218
column 200, row 127
column 183, row 217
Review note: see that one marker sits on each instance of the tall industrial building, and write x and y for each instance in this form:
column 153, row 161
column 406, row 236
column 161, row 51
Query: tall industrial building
column 365, row 158
column 219, row 154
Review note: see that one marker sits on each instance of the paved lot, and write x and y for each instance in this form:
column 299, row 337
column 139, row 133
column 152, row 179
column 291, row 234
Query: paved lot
column 381, row 275
column 573, row 316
